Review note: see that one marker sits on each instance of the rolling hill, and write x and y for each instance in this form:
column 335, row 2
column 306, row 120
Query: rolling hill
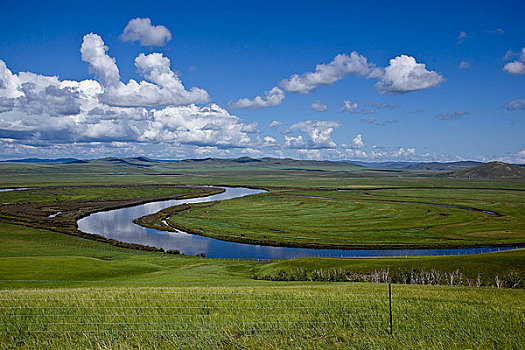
column 492, row 170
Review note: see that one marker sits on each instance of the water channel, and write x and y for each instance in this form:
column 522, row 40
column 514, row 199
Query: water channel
column 118, row 224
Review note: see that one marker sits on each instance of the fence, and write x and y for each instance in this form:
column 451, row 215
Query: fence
column 204, row 316
column 193, row 310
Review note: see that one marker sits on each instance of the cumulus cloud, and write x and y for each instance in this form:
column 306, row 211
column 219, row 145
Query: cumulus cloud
column 516, row 67
column 318, row 134
column 294, row 142
column 357, row 142
column 94, row 52
column 41, row 112
column 402, row 153
column 464, row 65
column 356, row 153
column 274, row 97
column 200, row 126
column 404, row 74
column 327, row 74
column 451, row 116
column 141, row 30
column 35, row 94
column 275, row 123
column 164, row 87
column 319, row 107
column 515, row 105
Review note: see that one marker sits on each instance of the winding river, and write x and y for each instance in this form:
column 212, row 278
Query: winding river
column 118, row 224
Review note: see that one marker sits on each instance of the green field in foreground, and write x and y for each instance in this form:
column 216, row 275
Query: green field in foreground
column 60, row 291
column 363, row 218
column 65, row 292
column 269, row 316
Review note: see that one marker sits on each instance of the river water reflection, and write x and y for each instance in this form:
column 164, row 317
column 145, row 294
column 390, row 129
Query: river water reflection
column 118, row 224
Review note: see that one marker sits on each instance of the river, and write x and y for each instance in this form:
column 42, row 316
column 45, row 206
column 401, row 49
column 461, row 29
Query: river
column 118, row 224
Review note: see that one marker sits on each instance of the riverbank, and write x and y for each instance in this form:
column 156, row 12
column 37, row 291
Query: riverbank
column 328, row 219
column 39, row 207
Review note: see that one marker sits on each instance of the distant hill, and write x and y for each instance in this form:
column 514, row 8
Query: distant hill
column 140, row 162
column 451, row 166
column 39, row 160
column 381, row 165
column 285, row 164
column 492, row 170
column 432, row 166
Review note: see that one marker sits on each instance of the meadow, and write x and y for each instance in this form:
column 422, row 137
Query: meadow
column 61, row 291
column 363, row 218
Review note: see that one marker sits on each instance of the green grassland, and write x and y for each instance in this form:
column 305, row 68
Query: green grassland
column 65, row 292
column 60, row 291
column 363, row 218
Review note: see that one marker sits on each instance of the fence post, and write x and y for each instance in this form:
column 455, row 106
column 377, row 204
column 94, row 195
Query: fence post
column 390, row 306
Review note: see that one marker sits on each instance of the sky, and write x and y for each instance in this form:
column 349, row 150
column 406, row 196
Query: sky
column 331, row 80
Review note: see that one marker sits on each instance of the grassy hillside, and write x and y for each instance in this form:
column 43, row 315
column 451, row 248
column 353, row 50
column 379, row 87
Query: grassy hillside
column 492, row 170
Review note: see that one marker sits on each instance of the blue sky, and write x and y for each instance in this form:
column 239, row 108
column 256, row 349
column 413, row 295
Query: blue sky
column 426, row 81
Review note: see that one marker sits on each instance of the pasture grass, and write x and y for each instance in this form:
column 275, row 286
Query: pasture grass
column 267, row 316
column 66, row 292
column 363, row 218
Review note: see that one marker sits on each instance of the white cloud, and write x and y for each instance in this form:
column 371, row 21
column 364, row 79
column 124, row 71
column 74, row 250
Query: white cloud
column 464, row 65
column 294, row 142
column 402, row 153
column 327, row 74
column 275, row 123
column 94, row 52
column 405, row 74
column 349, row 106
column 519, row 157
column 141, row 30
column 319, row 107
column 515, row 105
column 319, row 134
column 165, row 88
column 250, row 128
column 274, row 97
column 516, row 67
column 357, row 141
column 356, row 153
column 188, row 125
column 43, row 112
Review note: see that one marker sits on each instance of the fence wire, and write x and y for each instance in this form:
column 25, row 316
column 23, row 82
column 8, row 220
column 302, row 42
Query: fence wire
column 349, row 311
column 187, row 310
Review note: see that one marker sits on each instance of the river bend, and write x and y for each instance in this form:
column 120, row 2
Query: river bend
column 118, row 224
